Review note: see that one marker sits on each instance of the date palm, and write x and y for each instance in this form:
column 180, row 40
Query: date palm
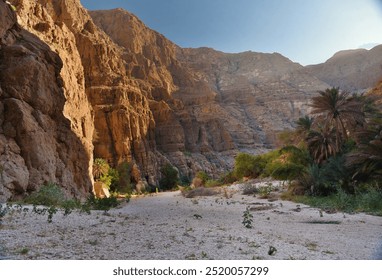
column 322, row 143
column 304, row 126
column 100, row 168
column 338, row 110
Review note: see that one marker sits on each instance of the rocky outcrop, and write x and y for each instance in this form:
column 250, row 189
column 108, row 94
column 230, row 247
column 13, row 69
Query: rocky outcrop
column 37, row 141
column 353, row 70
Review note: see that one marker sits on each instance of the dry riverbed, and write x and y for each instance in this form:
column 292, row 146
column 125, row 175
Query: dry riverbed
column 169, row 226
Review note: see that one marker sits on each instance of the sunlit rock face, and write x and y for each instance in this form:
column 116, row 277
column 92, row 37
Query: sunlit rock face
column 38, row 142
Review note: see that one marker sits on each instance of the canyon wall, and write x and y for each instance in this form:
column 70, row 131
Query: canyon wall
column 38, row 142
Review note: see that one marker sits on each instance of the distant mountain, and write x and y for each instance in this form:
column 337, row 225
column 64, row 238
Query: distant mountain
column 352, row 70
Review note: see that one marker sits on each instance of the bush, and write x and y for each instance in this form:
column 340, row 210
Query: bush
column 248, row 165
column 203, row 176
column 228, row 178
column 104, row 204
column 169, row 180
column 48, row 195
column 212, row 183
column 124, row 184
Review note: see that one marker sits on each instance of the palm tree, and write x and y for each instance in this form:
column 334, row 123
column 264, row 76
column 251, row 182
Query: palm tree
column 100, row 168
column 322, row 143
column 338, row 110
column 304, row 126
column 367, row 160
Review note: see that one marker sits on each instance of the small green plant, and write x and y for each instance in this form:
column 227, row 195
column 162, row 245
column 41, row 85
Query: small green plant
column 272, row 250
column 247, row 218
column 51, row 211
column 3, row 210
column 23, row 251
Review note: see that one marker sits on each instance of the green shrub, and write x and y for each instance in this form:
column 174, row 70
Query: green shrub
column 170, row 179
column 48, row 195
column 248, row 165
column 202, row 176
column 106, row 203
column 228, row 178
column 124, row 184
column 113, row 174
column 185, row 180
column 284, row 171
column 212, row 183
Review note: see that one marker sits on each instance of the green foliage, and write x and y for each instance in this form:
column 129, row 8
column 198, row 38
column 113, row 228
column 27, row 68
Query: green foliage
column 51, row 211
column 285, row 164
column 247, row 218
column 228, row 178
column 123, row 177
column 105, row 204
column 170, row 179
column 212, row 183
column 48, row 195
column 100, row 168
column 113, row 175
column 248, row 165
column 203, row 176
column 369, row 201
column 185, row 180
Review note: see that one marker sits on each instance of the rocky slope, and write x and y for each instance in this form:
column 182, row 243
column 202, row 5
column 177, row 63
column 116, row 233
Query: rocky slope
column 38, row 142
column 352, row 70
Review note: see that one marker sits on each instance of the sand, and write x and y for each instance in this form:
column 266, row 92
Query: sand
column 169, row 226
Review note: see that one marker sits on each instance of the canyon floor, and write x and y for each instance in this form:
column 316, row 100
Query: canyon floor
column 170, row 226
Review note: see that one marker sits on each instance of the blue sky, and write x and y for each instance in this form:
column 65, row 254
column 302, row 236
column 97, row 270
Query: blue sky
column 306, row 31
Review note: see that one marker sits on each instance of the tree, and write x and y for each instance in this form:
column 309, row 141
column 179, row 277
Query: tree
column 100, row 168
column 338, row 110
column 304, row 126
column 322, row 143
column 169, row 178
column 366, row 161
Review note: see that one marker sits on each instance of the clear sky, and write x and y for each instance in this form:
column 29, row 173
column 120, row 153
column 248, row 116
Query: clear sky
column 306, row 31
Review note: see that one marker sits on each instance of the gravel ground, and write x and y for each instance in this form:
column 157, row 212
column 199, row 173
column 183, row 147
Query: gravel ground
column 169, row 226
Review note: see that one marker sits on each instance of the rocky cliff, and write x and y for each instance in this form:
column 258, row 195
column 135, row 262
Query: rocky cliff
column 39, row 141
column 351, row 70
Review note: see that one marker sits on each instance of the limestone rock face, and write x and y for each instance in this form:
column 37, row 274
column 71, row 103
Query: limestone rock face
column 352, row 70
column 37, row 143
